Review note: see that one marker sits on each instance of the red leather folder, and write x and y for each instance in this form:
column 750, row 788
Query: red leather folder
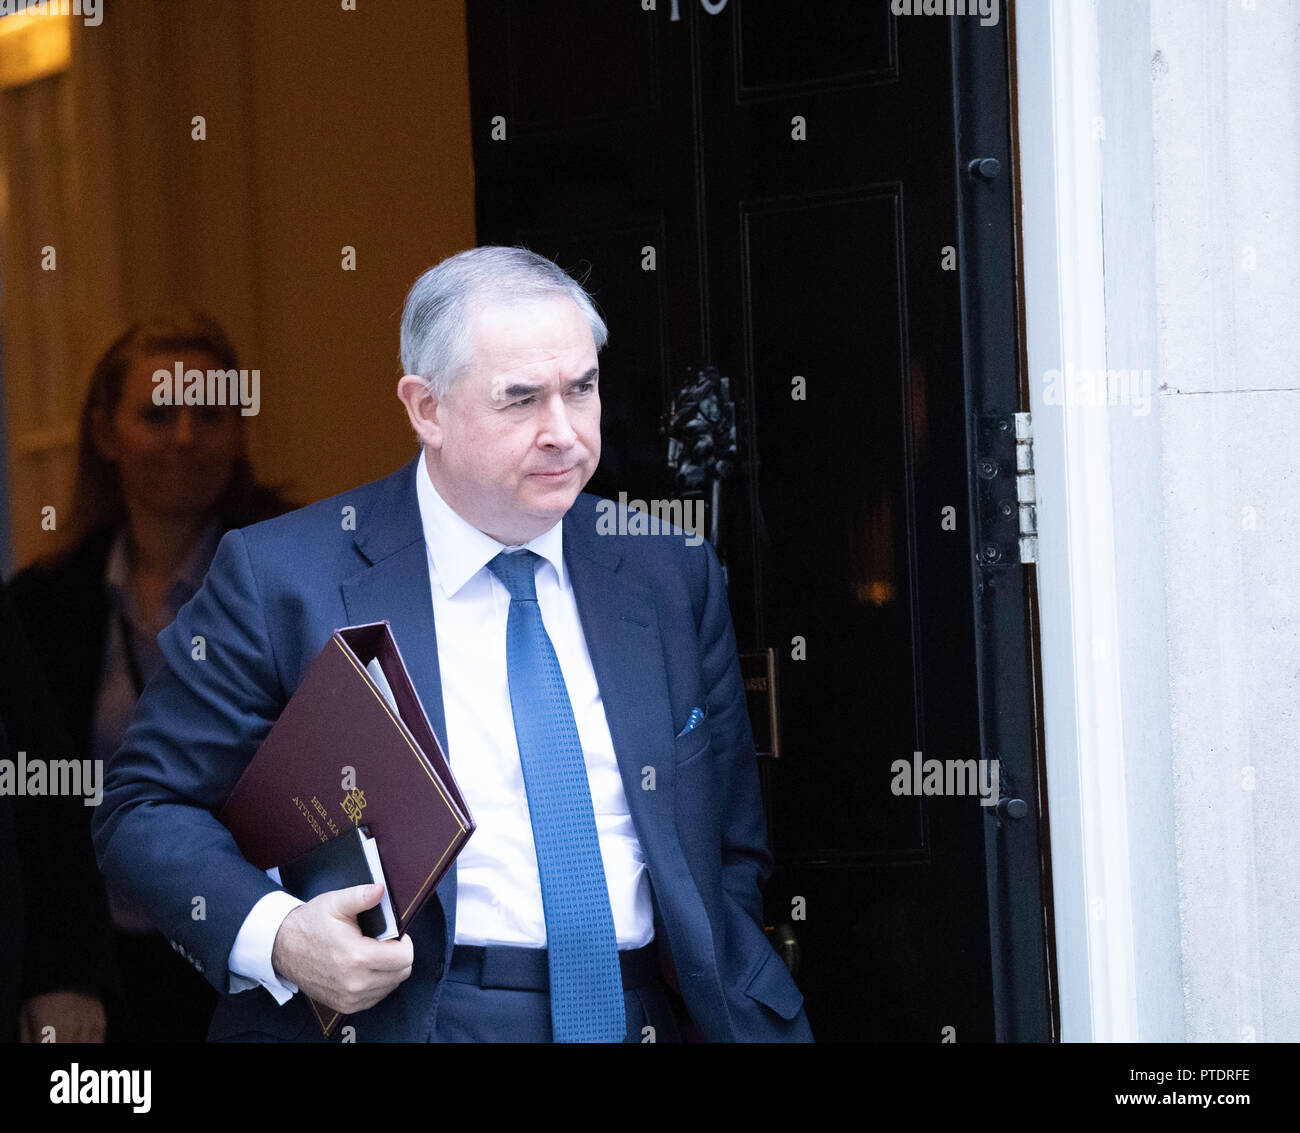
column 341, row 756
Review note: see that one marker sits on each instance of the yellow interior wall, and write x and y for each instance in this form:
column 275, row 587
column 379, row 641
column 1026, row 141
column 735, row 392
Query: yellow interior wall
column 325, row 127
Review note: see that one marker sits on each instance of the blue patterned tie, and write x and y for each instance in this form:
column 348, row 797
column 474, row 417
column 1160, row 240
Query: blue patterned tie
column 582, row 950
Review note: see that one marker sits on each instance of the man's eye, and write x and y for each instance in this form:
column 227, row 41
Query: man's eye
column 584, row 387
column 524, row 401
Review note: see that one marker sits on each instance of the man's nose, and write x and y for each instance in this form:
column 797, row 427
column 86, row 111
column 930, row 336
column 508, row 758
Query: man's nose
column 556, row 429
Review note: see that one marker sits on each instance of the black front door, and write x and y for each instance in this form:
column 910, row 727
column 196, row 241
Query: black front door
column 771, row 187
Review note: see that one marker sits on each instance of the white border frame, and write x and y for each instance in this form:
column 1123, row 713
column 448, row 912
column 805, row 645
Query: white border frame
column 1058, row 70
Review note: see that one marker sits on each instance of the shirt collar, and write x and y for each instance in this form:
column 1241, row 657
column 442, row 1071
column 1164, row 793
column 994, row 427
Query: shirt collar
column 459, row 550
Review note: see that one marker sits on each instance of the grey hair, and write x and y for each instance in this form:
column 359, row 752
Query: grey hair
column 435, row 320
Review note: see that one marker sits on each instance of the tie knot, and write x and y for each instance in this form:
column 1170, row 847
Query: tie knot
column 516, row 574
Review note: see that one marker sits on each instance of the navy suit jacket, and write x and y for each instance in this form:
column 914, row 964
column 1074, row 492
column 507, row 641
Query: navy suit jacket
column 655, row 616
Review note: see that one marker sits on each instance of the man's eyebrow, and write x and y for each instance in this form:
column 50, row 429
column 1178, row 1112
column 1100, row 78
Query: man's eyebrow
column 528, row 389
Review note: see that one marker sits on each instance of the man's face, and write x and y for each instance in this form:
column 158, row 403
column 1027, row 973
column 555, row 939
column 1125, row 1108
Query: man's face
column 518, row 435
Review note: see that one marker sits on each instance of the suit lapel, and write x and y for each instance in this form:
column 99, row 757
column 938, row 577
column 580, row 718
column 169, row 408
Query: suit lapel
column 395, row 587
column 621, row 627
column 622, row 633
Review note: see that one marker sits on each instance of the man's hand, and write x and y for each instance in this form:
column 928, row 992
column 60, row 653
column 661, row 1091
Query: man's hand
column 320, row 948
column 76, row 1016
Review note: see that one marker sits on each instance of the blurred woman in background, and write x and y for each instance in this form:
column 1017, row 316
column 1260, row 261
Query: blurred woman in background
column 156, row 488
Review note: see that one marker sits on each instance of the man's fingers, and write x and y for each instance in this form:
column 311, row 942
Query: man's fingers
column 320, row 948
column 388, row 955
column 350, row 902
column 379, row 956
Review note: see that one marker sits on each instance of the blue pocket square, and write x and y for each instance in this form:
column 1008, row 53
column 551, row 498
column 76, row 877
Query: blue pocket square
column 697, row 714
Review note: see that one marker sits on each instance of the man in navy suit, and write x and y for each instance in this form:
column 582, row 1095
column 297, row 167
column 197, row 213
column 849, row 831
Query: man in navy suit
column 584, row 685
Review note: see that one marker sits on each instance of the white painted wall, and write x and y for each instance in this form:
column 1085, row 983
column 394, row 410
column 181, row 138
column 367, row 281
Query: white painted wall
column 1132, row 319
column 1226, row 112
column 1160, row 166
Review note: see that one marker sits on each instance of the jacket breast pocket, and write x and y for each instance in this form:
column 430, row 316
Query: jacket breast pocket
column 692, row 745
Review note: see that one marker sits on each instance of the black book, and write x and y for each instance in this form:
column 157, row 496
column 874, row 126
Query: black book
column 350, row 859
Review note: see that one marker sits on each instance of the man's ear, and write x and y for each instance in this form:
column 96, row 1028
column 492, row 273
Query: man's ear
column 421, row 409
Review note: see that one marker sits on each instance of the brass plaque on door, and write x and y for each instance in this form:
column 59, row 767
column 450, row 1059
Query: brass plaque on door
column 758, row 670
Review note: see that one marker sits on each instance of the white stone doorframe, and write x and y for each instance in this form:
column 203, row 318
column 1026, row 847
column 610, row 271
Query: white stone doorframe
column 1058, row 109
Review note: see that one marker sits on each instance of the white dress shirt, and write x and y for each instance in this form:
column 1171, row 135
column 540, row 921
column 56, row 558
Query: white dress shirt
column 498, row 890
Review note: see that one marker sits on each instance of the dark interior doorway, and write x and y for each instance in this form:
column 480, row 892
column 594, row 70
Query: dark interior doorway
column 779, row 189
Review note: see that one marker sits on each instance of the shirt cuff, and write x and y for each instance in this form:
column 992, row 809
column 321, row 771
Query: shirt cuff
column 250, row 958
